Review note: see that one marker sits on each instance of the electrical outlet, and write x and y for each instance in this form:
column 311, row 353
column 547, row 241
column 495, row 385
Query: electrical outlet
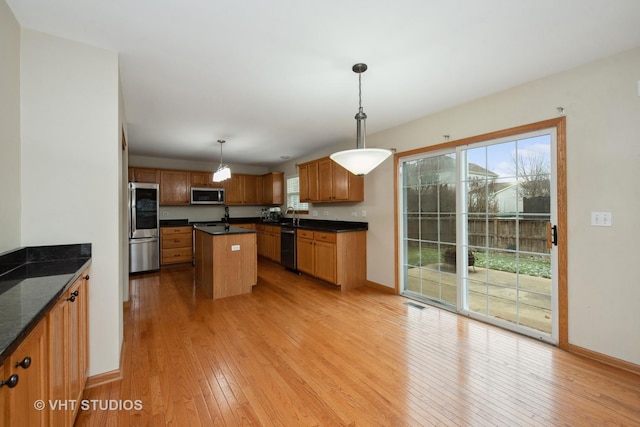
column 165, row 213
column 326, row 213
column 364, row 213
column 235, row 247
column 354, row 213
column 314, row 213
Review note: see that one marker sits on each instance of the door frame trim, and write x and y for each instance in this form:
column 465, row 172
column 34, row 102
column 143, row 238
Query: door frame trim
column 561, row 181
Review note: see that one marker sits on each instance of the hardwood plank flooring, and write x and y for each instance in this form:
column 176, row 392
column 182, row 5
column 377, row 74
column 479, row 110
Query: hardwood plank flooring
column 297, row 352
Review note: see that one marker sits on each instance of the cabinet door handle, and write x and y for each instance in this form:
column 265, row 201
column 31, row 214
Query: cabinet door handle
column 11, row 382
column 86, row 277
column 26, row 362
column 75, row 293
column 72, row 298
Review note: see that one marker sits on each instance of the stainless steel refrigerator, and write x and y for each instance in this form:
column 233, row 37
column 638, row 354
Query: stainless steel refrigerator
column 144, row 229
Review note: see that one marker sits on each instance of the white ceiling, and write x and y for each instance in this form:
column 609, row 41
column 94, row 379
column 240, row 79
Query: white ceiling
column 273, row 77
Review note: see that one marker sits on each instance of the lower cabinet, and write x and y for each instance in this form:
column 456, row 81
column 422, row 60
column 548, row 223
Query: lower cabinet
column 27, row 369
column 269, row 241
column 50, row 366
column 68, row 325
column 176, row 245
column 336, row 258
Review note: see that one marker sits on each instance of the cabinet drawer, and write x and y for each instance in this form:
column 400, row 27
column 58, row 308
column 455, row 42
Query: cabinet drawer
column 305, row 234
column 176, row 241
column 175, row 230
column 174, row 255
column 272, row 229
column 325, row 237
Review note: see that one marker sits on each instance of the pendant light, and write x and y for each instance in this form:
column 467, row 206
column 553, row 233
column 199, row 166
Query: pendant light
column 223, row 171
column 361, row 160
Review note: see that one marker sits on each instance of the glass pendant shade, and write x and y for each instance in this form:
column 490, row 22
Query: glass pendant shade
column 360, row 161
column 223, row 172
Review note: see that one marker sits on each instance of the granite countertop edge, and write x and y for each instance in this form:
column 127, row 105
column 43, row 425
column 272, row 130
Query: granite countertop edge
column 26, row 329
column 316, row 225
column 220, row 230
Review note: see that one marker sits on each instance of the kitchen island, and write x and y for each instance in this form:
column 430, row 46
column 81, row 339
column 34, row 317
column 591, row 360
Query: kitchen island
column 226, row 260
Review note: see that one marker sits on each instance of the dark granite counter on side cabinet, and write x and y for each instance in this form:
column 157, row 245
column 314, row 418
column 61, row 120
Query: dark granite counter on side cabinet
column 220, row 229
column 31, row 281
column 309, row 224
column 174, row 222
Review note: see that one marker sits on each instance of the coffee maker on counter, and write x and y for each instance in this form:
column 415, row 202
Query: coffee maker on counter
column 275, row 214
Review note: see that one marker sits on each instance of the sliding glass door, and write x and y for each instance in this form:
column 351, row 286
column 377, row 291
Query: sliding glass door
column 429, row 214
column 475, row 231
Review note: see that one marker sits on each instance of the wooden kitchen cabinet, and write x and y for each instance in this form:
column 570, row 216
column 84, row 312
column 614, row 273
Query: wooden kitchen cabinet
column 175, row 187
column 269, row 241
column 243, row 190
column 245, row 226
column 29, row 364
column 273, row 188
column 251, row 194
column 325, row 258
column 336, row 258
column 204, row 179
column 144, row 175
column 308, row 182
column 78, row 337
column 305, row 252
column 52, row 364
column 323, row 180
column 68, row 347
column 176, row 245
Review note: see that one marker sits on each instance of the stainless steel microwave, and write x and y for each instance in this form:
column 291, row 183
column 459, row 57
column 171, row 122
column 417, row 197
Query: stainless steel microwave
column 207, row 196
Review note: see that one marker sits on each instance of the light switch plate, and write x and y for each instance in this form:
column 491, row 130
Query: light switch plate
column 601, row 219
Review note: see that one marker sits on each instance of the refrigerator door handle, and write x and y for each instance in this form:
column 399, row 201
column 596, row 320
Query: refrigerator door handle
column 132, row 210
column 143, row 240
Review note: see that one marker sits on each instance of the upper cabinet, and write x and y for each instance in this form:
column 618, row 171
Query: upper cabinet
column 265, row 189
column 323, row 180
column 144, row 175
column 273, row 188
column 204, row 179
column 240, row 189
column 175, row 187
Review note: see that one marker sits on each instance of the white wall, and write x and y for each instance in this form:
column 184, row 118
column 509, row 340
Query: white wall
column 603, row 152
column 70, row 169
column 9, row 130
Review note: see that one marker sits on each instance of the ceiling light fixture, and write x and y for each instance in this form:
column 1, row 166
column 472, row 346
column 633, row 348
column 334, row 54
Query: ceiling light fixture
column 223, row 171
column 361, row 160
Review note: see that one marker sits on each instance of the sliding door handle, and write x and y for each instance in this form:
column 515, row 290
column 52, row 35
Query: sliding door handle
column 552, row 235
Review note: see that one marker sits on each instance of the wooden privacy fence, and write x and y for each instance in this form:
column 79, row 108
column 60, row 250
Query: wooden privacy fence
column 495, row 233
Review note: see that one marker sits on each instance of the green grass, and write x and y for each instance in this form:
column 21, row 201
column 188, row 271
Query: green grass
column 530, row 266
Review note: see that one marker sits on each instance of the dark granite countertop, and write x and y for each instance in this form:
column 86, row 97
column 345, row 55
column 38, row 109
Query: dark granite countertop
column 309, row 224
column 174, row 222
column 223, row 229
column 31, row 281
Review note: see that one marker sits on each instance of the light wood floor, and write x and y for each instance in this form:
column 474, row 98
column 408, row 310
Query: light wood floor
column 296, row 352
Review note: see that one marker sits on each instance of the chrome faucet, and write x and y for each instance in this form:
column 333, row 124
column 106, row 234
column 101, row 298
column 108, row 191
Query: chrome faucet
column 296, row 221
